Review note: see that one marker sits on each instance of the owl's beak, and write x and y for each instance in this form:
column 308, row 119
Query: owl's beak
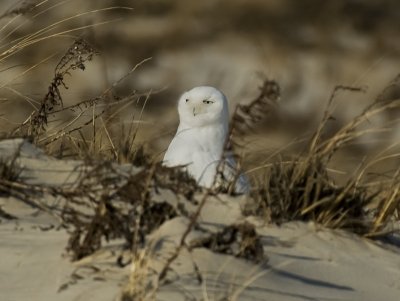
column 197, row 110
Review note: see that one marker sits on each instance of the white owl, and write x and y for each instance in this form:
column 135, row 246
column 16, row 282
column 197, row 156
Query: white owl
column 199, row 141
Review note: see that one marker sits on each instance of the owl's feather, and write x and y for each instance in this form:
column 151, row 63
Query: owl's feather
column 199, row 141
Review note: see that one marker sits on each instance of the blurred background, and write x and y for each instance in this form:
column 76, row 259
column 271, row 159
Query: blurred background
column 307, row 46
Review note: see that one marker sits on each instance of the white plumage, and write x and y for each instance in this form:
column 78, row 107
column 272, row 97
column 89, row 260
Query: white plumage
column 199, row 141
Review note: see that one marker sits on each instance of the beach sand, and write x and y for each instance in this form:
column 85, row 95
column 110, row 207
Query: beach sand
column 302, row 261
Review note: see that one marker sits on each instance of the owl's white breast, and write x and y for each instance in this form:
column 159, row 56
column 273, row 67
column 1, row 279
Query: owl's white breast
column 199, row 148
column 200, row 139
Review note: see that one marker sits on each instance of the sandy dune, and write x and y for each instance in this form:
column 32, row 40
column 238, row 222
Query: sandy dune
column 302, row 261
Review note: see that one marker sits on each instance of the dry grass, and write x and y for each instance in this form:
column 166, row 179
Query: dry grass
column 9, row 173
column 303, row 188
column 240, row 240
column 138, row 286
column 107, row 204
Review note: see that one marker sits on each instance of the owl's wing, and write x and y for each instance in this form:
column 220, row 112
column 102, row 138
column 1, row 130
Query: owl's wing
column 185, row 150
column 178, row 152
column 202, row 163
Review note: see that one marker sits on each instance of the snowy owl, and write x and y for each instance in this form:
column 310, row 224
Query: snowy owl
column 199, row 141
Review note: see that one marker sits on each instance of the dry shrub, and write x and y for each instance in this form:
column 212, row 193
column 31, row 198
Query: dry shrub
column 247, row 115
column 75, row 58
column 20, row 34
column 82, row 135
column 240, row 240
column 243, row 120
column 9, row 173
column 9, row 170
column 302, row 189
column 388, row 208
column 108, row 204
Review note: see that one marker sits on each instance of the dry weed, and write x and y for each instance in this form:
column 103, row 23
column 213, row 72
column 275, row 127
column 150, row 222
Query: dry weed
column 139, row 286
column 9, row 173
column 107, row 204
column 302, row 189
column 75, row 58
column 240, row 240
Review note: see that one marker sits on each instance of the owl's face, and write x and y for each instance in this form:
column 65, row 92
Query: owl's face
column 203, row 106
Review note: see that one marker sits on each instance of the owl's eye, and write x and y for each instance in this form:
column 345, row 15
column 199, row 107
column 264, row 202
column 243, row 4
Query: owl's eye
column 187, row 99
column 206, row 101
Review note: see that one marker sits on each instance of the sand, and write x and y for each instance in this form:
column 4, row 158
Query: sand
column 303, row 260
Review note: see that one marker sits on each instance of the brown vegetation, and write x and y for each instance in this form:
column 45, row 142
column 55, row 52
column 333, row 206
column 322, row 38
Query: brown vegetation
column 107, row 204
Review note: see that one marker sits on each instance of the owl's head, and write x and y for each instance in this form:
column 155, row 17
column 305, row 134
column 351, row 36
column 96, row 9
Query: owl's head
column 202, row 106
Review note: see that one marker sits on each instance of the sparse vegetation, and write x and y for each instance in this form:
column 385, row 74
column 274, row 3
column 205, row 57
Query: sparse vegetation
column 302, row 189
column 9, row 173
column 107, row 204
column 111, row 202
column 239, row 240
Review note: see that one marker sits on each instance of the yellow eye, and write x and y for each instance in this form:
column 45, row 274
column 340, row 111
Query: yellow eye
column 206, row 101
